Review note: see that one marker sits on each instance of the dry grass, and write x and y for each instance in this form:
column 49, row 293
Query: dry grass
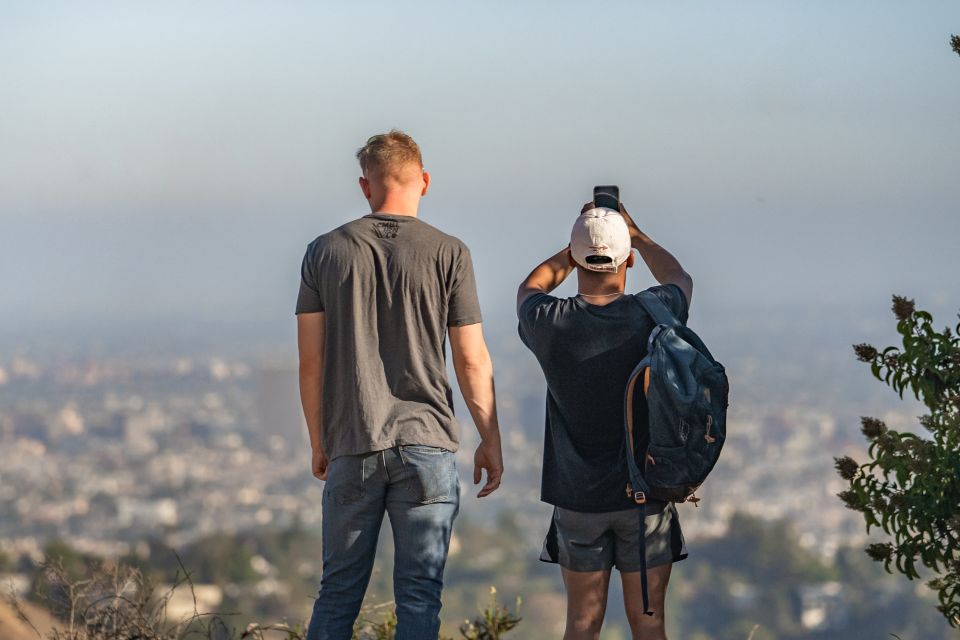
column 119, row 603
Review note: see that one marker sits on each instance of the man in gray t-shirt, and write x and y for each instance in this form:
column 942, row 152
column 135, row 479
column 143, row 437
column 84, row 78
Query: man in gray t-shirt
column 378, row 297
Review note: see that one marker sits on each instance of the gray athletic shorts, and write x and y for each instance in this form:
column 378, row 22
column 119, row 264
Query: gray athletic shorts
column 599, row 541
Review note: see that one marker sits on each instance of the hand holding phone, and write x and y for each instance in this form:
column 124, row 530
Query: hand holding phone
column 607, row 196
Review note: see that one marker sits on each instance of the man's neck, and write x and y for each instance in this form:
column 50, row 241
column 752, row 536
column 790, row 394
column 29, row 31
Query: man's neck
column 390, row 212
column 398, row 206
column 601, row 291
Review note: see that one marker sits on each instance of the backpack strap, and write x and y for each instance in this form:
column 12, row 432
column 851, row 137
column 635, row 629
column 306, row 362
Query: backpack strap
column 638, row 489
column 660, row 312
column 644, row 590
column 662, row 317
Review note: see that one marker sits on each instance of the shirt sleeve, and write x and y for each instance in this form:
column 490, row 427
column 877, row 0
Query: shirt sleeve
column 463, row 306
column 674, row 298
column 530, row 314
column 309, row 299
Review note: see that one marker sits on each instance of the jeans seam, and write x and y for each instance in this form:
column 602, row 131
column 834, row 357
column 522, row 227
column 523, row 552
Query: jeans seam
column 363, row 461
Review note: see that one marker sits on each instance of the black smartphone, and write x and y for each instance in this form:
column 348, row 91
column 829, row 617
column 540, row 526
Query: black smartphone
column 607, row 196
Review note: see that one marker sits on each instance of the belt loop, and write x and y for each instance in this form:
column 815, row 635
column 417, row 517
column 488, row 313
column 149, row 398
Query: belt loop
column 403, row 460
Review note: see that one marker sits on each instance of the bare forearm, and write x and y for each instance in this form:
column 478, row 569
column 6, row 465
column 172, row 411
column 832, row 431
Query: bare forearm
column 311, row 397
column 664, row 267
column 546, row 276
column 476, row 385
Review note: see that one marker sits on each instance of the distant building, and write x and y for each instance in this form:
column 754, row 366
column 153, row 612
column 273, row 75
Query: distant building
column 278, row 403
column 185, row 601
column 147, row 513
column 823, row 606
column 16, row 585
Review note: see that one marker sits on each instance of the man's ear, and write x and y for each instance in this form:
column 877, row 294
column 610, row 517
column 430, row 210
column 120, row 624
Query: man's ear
column 365, row 187
column 630, row 260
column 426, row 183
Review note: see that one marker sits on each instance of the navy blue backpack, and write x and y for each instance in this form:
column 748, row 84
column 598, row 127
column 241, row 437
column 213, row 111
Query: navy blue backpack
column 684, row 391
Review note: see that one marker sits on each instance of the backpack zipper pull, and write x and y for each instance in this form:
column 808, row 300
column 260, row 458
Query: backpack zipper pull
column 710, row 439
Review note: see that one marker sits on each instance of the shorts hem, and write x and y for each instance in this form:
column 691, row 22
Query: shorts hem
column 628, row 569
column 653, row 564
column 575, row 569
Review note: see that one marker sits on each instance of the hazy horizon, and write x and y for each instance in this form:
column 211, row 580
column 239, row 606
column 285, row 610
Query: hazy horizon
column 169, row 163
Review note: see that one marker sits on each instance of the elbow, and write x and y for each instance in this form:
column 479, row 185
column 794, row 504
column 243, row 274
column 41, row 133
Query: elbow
column 477, row 367
column 525, row 289
column 475, row 362
column 474, row 365
column 685, row 282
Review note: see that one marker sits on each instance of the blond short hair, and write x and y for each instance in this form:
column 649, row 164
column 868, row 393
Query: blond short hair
column 388, row 153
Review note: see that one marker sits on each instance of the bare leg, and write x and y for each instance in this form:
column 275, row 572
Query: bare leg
column 586, row 603
column 646, row 627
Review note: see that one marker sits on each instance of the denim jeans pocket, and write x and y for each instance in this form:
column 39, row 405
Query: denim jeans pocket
column 345, row 479
column 431, row 474
column 424, row 449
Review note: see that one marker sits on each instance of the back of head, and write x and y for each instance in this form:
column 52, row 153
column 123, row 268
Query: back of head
column 392, row 156
column 600, row 240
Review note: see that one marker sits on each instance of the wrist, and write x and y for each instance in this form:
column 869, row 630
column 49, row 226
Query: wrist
column 490, row 437
column 638, row 238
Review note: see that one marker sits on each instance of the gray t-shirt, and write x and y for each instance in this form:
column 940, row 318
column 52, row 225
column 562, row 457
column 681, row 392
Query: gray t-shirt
column 389, row 287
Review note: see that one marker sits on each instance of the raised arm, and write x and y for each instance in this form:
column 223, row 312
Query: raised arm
column 311, row 337
column 474, row 369
column 664, row 267
column 547, row 276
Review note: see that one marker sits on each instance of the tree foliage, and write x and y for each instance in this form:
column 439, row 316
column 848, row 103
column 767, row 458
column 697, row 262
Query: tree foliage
column 751, row 575
column 955, row 43
column 910, row 485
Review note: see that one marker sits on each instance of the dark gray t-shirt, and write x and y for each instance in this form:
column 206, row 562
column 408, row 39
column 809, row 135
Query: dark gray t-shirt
column 587, row 353
column 389, row 287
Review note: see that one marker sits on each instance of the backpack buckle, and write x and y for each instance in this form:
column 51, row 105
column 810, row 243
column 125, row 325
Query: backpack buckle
column 638, row 496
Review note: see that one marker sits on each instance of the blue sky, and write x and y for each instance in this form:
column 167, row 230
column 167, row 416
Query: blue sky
column 172, row 160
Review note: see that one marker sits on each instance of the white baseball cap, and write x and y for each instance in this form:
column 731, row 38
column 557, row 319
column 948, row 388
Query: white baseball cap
column 600, row 240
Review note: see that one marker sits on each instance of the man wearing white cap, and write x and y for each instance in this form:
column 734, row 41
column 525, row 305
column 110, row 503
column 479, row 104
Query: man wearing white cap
column 587, row 346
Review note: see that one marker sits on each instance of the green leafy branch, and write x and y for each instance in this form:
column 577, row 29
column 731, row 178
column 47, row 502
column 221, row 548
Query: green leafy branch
column 910, row 485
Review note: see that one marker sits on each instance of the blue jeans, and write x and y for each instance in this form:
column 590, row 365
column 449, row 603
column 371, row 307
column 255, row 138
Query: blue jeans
column 418, row 487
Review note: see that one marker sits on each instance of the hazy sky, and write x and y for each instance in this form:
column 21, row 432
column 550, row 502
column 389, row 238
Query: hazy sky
column 172, row 159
